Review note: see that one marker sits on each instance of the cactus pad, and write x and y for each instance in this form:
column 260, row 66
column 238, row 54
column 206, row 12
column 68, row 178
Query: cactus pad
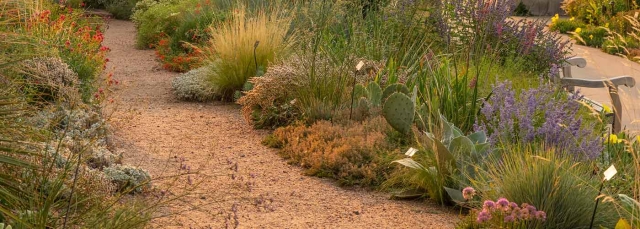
column 395, row 88
column 399, row 112
column 375, row 93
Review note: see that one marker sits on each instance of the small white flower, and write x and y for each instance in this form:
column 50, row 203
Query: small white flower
column 411, row 152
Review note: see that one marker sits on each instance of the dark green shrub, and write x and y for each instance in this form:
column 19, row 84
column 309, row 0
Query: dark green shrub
column 591, row 36
column 521, row 10
column 120, row 9
column 159, row 20
column 566, row 25
column 616, row 45
column 178, row 51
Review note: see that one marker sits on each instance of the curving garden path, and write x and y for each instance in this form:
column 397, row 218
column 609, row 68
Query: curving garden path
column 236, row 180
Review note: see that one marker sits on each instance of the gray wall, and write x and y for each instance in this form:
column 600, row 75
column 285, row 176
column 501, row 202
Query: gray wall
column 544, row 7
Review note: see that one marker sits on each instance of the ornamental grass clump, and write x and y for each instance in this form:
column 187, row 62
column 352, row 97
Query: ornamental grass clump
column 565, row 190
column 539, row 115
column 244, row 45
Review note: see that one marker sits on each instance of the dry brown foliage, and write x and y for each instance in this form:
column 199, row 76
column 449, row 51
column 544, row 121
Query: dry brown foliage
column 354, row 153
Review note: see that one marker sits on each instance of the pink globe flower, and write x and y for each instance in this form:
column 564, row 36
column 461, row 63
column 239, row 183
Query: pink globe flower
column 468, row 193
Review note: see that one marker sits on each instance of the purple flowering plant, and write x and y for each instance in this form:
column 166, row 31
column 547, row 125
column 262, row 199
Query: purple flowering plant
column 484, row 28
column 539, row 115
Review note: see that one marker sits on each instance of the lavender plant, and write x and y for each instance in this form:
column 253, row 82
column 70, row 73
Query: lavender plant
column 484, row 28
column 539, row 114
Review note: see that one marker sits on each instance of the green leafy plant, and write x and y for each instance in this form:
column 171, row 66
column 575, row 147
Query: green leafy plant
column 566, row 25
column 449, row 158
column 591, row 36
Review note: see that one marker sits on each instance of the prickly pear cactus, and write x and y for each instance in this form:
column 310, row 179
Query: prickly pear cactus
column 360, row 91
column 399, row 112
column 375, row 93
column 362, row 110
column 395, row 88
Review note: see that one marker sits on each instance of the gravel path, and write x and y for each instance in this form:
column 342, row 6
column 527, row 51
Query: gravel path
column 236, row 180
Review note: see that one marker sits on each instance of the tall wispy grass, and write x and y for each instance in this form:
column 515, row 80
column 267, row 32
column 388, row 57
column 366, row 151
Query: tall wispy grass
column 239, row 48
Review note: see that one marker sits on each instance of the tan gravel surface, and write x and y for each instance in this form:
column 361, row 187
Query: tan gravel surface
column 236, row 181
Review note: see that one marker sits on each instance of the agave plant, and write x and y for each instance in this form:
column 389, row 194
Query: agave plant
column 453, row 157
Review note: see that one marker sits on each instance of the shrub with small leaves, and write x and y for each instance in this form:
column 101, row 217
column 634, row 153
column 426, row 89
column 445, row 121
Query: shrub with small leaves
column 270, row 103
column 565, row 25
column 591, row 36
column 49, row 78
column 356, row 153
column 194, row 85
column 100, row 157
column 128, row 178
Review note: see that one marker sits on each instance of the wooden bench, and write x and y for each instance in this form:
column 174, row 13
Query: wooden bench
column 612, row 84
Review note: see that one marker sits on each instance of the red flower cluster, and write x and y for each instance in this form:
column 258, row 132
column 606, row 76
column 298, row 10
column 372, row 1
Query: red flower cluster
column 179, row 62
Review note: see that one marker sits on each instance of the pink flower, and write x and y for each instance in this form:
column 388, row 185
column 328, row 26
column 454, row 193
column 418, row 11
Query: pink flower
column 489, row 205
column 503, row 203
column 468, row 193
column 483, row 216
column 509, row 218
column 541, row 215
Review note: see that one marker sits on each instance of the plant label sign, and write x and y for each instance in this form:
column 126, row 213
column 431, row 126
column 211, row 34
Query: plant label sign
column 411, row 152
column 610, row 172
column 359, row 66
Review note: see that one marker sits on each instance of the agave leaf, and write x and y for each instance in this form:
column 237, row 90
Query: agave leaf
column 450, row 131
column 410, row 163
column 447, row 134
column 428, row 139
column 462, row 145
column 444, row 158
column 482, row 148
column 455, row 195
column 629, row 202
column 478, row 137
column 408, row 194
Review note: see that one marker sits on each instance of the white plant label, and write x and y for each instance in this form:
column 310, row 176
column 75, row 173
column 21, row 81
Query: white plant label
column 610, row 172
column 411, row 152
column 359, row 66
